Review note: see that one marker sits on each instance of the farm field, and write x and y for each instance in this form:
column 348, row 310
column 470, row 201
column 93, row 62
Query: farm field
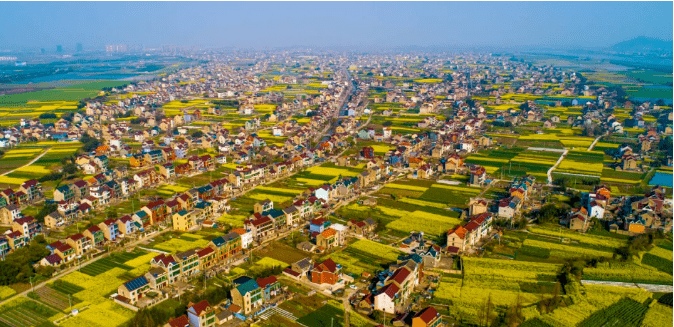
column 24, row 312
column 582, row 162
column 501, row 280
column 365, row 255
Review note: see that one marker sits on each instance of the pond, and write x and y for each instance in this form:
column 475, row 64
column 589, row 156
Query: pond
column 663, row 179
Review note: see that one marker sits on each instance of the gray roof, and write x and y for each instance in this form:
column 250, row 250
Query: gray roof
column 290, row 209
column 304, row 263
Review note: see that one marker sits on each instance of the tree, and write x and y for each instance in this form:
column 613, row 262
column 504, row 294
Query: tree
column 514, row 316
column 485, row 313
column 197, row 134
column 46, row 209
column 70, row 168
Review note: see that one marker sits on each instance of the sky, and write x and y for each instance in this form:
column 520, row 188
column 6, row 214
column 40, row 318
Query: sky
column 331, row 24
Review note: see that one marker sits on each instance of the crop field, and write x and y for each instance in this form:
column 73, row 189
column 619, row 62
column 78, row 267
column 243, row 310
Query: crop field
column 279, row 190
column 595, row 299
column 266, row 196
column 268, row 262
column 365, row 255
column 627, row 272
column 112, row 261
column 560, row 251
column 6, row 291
column 431, row 224
column 659, row 258
column 331, row 171
column 625, row 312
column 181, row 105
column 24, row 312
column 591, row 240
column 281, row 252
column 454, row 195
column 428, row 80
column 169, row 190
column 68, row 93
column 501, row 280
column 175, row 245
column 657, row 315
column 583, row 162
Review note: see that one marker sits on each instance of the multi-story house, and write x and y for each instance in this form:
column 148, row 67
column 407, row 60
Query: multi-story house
column 427, row 317
column 9, row 213
column 201, row 314
column 16, row 240
column 28, row 226
column 110, row 229
column 32, row 188
column 270, row 287
column 63, row 193
column 463, row 237
column 327, row 239
column 292, row 215
column 326, row 272
column 183, row 220
column 157, row 277
column 79, row 242
column 207, row 258
column 189, row 262
column 262, row 227
column 248, row 296
column 63, row 250
column 126, row 225
column 95, row 235
column 226, row 246
column 134, row 289
column 168, row 263
column 157, row 211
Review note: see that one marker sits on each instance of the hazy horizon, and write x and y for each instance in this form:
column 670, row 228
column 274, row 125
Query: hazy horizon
column 332, row 24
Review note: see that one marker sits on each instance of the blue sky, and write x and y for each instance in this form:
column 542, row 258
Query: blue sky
column 350, row 24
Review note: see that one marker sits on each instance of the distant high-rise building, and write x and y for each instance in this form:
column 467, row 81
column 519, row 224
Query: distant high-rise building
column 42, row 50
column 168, row 48
column 59, row 49
column 79, row 47
column 116, row 48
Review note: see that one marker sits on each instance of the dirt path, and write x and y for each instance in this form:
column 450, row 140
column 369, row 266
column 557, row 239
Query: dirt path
column 28, row 164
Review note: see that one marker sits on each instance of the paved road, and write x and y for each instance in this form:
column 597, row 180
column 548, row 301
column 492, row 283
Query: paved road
column 555, row 166
column 593, row 143
column 648, row 287
column 28, row 164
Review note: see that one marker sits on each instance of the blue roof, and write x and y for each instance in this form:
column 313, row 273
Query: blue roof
column 202, row 205
column 413, row 256
column 218, row 241
column 141, row 214
column 241, row 280
column 273, row 213
column 247, row 287
column 136, row 283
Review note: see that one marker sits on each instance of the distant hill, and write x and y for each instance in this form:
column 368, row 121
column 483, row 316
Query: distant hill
column 643, row 44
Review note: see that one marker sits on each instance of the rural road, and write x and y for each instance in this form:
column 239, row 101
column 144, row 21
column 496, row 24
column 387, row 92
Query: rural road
column 648, row 287
column 593, row 143
column 28, row 164
column 557, row 164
